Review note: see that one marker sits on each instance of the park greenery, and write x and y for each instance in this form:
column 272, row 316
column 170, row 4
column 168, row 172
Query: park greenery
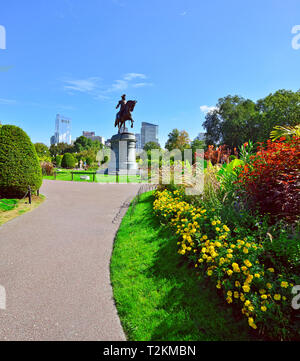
column 159, row 297
column 242, row 232
column 235, row 120
column 19, row 163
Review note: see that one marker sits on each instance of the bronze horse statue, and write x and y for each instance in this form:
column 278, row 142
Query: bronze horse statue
column 125, row 115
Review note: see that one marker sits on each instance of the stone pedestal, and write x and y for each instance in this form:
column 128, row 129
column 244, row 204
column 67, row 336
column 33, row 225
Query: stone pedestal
column 123, row 155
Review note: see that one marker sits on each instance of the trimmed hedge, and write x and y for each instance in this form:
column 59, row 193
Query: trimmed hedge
column 19, row 163
column 68, row 161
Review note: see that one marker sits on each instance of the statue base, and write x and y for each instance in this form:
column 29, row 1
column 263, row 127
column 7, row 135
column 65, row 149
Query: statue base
column 123, row 155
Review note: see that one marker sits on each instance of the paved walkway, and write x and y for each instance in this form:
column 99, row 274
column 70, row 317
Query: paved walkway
column 54, row 265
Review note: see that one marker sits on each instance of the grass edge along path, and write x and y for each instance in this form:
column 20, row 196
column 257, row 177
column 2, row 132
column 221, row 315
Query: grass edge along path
column 21, row 207
column 158, row 297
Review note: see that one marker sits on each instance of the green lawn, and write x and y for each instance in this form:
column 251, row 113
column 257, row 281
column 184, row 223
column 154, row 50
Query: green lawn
column 65, row 175
column 11, row 208
column 7, row 204
column 158, row 296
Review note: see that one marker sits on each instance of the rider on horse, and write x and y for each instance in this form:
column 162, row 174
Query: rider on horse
column 125, row 112
column 121, row 103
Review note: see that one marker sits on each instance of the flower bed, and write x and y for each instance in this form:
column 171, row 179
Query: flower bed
column 235, row 265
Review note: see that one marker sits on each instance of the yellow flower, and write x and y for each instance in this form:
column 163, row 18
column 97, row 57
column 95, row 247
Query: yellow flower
column 248, row 263
column 264, row 297
column 284, row 284
column 257, row 275
column 251, row 323
column 235, row 267
column 204, row 237
column 247, row 303
column 229, row 293
column 245, row 250
column 217, row 229
column 229, row 299
column 210, row 272
column 277, row 297
column 269, row 286
column 236, row 294
column 229, row 272
column 271, row 270
column 213, row 223
column 246, row 288
column 263, row 308
column 237, row 284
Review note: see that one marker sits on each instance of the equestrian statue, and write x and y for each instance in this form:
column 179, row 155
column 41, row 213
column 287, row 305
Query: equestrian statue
column 124, row 114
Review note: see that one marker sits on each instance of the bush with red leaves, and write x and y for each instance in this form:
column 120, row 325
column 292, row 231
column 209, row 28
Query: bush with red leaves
column 219, row 155
column 271, row 181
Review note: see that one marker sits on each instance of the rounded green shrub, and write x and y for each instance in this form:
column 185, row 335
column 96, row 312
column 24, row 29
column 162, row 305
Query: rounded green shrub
column 58, row 160
column 68, row 161
column 19, row 163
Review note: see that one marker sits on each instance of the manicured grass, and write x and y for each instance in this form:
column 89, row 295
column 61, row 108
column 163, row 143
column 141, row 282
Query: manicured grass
column 65, row 175
column 7, row 204
column 18, row 207
column 157, row 295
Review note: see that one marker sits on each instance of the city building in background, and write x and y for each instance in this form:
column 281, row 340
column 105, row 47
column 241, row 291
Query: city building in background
column 138, row 141
column 149, row 133
column 62, row 130
column 93, row 136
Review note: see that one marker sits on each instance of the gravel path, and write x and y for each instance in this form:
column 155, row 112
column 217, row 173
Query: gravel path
column 54, row 264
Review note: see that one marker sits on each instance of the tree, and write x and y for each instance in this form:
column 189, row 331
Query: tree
column 151, row 145
column 43, row 152
column 60, row 148
column 19, row 163
column 178, row 140
column 68, row 161
column 237, row 120
column 279, row 109
column 82, row 143
column 233, row 122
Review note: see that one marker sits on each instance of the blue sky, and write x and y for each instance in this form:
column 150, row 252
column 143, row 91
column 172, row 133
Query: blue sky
column 176, row 57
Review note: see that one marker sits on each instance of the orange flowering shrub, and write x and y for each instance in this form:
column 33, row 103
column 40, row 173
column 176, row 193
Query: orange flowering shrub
column 271, row 180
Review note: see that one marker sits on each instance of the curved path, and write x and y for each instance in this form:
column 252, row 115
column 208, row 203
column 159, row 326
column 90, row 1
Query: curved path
column 54, row 264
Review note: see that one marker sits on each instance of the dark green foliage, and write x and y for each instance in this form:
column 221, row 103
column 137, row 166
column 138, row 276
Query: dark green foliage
column 58, row 160
column 43, row 152
column 68, row 161
column 151, row 145
column 235, row 120
column 89, row 161
column 19, row 163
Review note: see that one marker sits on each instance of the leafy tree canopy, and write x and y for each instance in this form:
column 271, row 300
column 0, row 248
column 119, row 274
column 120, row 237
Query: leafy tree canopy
column 178, row 139
column 236, row 120
column 151, row 145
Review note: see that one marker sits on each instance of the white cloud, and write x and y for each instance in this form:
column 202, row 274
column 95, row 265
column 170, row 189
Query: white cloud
column 131, row 76
column 207, row 109
column 7, row 101
column 183, row 13
column 141, row 85
column 91, row 85
column 82, row 85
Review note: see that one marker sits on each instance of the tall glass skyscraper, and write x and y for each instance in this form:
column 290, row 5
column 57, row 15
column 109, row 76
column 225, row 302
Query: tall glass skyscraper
column 149, row 133
column 62, row 130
